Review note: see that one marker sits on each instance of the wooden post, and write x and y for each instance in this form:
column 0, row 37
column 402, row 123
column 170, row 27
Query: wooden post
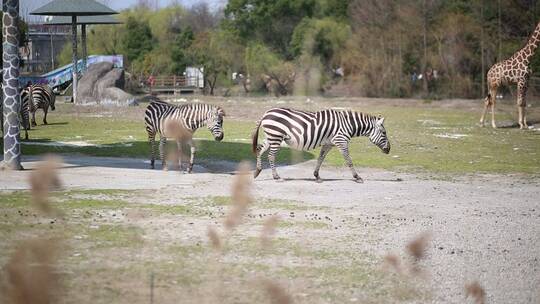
column 84, row 49
column 74, row 57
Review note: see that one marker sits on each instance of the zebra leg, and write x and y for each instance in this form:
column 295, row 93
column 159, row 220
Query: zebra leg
column 191, row 157
column 34, row 118
column 260, row 151
column 179, row 154
column 272, row 159
column 45, row 110
column 152, row 140
column 344, row 149
column 324, row 151
column 162, row 154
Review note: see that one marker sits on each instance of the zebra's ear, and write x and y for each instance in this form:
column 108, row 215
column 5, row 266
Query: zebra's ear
column 380, row 121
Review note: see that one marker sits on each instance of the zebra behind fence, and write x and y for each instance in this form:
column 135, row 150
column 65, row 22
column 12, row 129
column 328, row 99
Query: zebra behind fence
column 160, row 115
column 308, row 130
column 42, row 97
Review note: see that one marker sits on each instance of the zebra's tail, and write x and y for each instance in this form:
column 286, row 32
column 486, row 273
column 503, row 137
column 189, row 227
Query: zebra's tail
column 255, row 139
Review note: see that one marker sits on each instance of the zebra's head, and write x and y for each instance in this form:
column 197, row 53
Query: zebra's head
column 378, row 136
column 215, row 123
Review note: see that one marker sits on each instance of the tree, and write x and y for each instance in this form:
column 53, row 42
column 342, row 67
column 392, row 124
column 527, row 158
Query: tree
column 269, row 21
column 179, row 51
column 216, row 53
column 137, row 40
column 269, row 69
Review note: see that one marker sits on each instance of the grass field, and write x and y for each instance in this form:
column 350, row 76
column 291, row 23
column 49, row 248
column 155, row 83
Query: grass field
column 113, row 242
column 424, row 138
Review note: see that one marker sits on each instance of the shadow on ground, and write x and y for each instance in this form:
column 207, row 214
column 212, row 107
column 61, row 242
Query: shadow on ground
column 216, row 157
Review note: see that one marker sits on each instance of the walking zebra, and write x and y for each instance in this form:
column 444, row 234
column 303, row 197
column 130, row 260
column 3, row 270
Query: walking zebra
column 42, row 97
column 308, row 130
column 159, row 115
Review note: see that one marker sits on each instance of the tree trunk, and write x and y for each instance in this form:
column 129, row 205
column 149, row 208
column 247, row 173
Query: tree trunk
column 11, row 96
column 424, row 62
column 482, row 47
column 499, row 30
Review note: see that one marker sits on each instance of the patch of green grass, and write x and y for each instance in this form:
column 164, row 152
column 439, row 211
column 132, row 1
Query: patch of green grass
column 114, row 235
column 421, row 139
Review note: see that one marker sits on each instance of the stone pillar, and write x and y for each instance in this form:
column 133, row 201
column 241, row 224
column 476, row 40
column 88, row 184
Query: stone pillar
column 74, row 61
column 10, row 87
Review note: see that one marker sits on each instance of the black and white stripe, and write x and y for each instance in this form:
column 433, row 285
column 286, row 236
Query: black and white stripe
column 308, row 130
column 25, row 111
column 42, row 97
column 189, row 118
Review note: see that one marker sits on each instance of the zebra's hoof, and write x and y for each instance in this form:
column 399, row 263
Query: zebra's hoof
column 359, row 180
column 257, row 172
column 190, row 169
column 318, row 180
column 277, row 178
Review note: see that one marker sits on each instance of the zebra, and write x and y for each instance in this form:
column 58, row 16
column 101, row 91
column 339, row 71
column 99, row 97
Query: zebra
column 303, row 130
column 23, row 112
column 188, row 117
column 42, row 97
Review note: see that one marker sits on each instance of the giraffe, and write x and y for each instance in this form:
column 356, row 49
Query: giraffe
column 512, row 70
column 10, row 88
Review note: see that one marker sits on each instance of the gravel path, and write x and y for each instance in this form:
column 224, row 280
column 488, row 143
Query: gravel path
column 484, row 228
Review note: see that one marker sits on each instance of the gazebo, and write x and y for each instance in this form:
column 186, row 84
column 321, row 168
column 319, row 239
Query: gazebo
column 83, row 21
column 74, row 8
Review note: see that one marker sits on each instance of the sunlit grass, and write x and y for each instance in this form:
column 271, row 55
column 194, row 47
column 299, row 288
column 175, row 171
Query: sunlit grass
column 423, row 139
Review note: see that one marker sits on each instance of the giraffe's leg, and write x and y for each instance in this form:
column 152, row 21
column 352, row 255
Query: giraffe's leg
column 344, row 149
column 522, row 102
column 260, row 151
column 274, row 149
column 493, row 125
column 152, row 141
column 486, row 105
column 162, row 154
column 324, row 151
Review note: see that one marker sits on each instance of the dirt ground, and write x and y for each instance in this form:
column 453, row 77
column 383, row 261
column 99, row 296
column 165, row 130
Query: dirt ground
column 483, row 228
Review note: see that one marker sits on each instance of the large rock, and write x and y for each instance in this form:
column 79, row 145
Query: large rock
column 102, row 83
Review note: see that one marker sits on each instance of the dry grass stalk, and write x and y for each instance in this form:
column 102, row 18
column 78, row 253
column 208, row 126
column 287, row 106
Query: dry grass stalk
column 214, row 238
column 241, row 196
column 175, row 129
column 417, row 247
column 43, row 179
column 30, row 273
column 268, row 230
column 277, row 294
column 475, row 291
column 394, row 262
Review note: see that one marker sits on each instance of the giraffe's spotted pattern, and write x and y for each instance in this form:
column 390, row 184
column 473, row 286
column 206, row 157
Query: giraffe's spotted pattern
column 514, row 70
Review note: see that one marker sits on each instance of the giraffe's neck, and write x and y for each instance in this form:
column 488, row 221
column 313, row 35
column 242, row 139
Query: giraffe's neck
column 529, row 49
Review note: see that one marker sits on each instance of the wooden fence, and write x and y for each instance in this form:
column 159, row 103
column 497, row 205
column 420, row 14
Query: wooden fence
column 173, row 84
